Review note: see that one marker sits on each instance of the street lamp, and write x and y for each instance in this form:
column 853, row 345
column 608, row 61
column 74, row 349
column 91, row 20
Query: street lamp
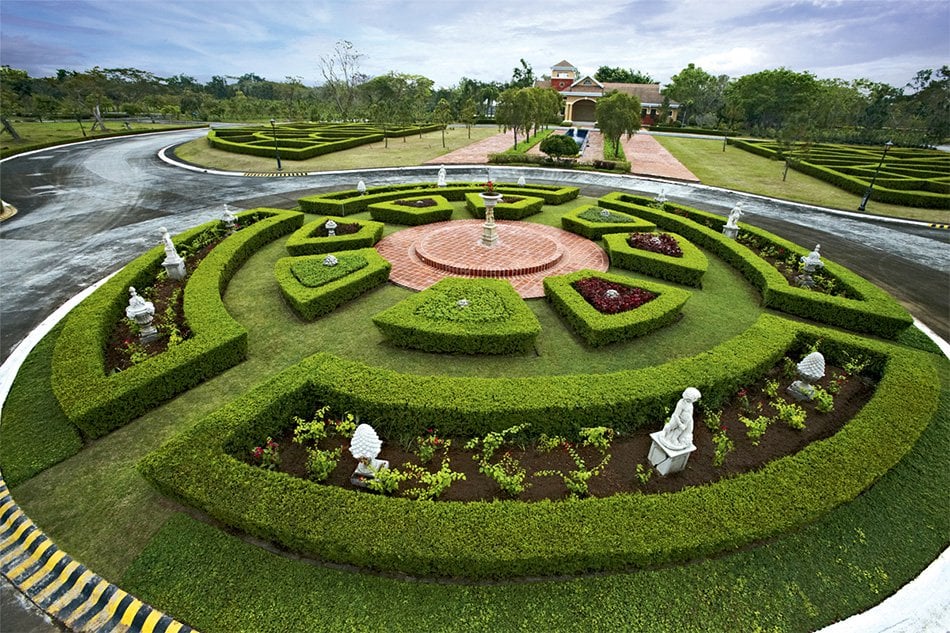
column 888, row 145
column 273, row 126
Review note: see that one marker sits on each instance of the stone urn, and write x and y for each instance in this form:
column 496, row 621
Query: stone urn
column 810, row 370
column 142, row 312
column 331, row 228
column 489, row 231
column 365, row 447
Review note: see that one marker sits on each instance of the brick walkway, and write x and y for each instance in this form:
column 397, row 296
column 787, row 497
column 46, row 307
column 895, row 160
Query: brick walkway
column 647, row 156
column 526, row 253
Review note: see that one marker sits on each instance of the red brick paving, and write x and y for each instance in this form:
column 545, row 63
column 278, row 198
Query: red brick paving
column 455, row 247
column 476, row 153
column 648, row 158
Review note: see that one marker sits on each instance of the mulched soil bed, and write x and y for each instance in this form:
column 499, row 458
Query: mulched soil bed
column 342, row 228
column 418, row 204
column 788, row 264
column 620, row 475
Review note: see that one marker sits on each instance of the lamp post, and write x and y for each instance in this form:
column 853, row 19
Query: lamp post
column 273, row 127
column 867, row 195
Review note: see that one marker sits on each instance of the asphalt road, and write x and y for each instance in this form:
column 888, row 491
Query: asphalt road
column 86, row 210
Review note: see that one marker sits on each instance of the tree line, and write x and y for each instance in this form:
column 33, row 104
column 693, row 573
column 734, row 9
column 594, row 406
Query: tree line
column 777, row 103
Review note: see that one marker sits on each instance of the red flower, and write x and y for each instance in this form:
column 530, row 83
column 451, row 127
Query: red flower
column 742, row 393
column 723, row 428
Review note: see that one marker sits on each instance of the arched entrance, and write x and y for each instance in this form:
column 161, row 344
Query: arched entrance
column 583, row 111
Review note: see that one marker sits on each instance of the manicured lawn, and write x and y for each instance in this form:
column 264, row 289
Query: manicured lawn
column 402, row 152
column 35, row 135
column 744, row 171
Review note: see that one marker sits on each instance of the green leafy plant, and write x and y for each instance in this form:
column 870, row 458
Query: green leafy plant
column 644, row 473
column 824, row 401
column 742, row 398
column 267, row 456
column 710, row 418
column 789, row 368
column 854, row 365
column 320, row 463
column 313, row 430
column 836, row 381
column 577, row 480
column 432, row 484
column 135, row 351
column 546, row 443
column 771, row 388
column 427, row 445
column 507, row 472
column 790, row 413
column 599, row 437
column 755, row 428
column 723, row 446
column 386, row 480
column 345, row 426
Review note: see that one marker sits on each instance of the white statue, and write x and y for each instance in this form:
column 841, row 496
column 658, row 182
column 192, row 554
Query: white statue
column 813, row 261
column 330, row 226
column 330, row 260
column 228, row 218
column 142, row 312
column 661, row 197
column 678, row 432
column 441, row 182
column 364, row 447
column 810, row 370
column 521, row 181
column 170, row 253
column 733, row 221
column 361, row 188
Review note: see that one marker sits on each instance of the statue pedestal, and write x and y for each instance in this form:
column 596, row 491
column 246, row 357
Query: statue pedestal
column 666, row 459
column 801, row 391
column 363, row 473
column 175, row 268
column 730, row 231
column 489, row 232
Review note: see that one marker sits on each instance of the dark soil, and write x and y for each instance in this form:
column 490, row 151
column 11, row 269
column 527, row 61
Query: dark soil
column 787, row 263
column 341, row 229
column 626, row 452
column 418, row 204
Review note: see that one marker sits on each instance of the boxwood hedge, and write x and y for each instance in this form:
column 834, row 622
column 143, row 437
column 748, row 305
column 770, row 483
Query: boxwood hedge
column 593, row 230
column 98, row 403
column 874, row 311
column 516, row 210
column 600, row 329
column 493, row 319
column 511, row 538
column 687, row 270
column 312, row 302
column 305, row 241
column 395, row 213
column 351, row 201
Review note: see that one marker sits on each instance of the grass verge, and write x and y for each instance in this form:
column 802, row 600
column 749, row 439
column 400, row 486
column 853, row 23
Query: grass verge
column 39, row 135
column 844, row 563
column 743, row 171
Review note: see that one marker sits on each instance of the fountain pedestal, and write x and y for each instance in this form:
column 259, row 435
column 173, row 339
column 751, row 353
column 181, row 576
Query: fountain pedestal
column 489, row 232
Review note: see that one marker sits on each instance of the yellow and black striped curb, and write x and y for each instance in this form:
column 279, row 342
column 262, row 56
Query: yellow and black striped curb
column 940, row 226
column 266, row 174
column 66, row 589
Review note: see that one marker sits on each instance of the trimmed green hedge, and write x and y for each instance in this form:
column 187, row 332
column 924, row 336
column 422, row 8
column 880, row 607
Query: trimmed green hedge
column 395, row 213
column 571, row 221
column 304, row 240
column 874, row 311
column 517, row 210
column 98, row 403
column 510, row 538
column 495, row 321
column 600, row 329
column 341, row 203
column 310, row 303
column 265, row 148
column 687, row 270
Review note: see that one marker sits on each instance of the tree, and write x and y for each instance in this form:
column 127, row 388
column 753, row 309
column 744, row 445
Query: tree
column 443, row 116
column 522, row 77
column 697, row 92
column 468, row 115
column 617, row 114
column 558, row 145
column 515, row 110
column 770, row 99
column 342, row 77
column 621, row 75
column 930, row 102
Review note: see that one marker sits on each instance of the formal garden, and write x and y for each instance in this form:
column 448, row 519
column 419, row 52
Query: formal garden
column 211, row 469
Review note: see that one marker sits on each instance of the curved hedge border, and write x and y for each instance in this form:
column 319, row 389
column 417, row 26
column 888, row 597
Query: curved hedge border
column 310, row 303
column 303, row 241
column 513, row 334
column 351, row 201
column 874, row 312
column 517, row 210
column 265, row 147
column 571, row 221
column 600, row 329
column 687, row 270
column 395, row 213
column 98, row 403
column 505, row 539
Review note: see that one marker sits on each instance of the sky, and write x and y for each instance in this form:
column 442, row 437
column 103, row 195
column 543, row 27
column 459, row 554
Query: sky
column 883, row 40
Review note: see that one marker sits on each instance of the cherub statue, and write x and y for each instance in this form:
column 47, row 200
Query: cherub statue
column 678, row 431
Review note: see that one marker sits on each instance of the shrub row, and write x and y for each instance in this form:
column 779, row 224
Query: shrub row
column 98, row 403
column 342, row 203
column 874, row 311
column 315, row 148
column 304, row 240
column 518, row 158
column 510, row 538
column 601, row 329
column 571, row 221
column 495, row 320
column 310, row 303
column 687, row 270
column 395, row 213
column 517, row 210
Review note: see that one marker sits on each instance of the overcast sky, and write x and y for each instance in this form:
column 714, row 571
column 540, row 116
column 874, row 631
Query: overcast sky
column 882, row 40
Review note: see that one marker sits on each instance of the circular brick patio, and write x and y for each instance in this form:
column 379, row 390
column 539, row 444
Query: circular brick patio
column 525, row 254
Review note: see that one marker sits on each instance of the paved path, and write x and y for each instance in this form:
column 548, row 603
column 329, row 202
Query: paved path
column 648, row 158
column 476, row 153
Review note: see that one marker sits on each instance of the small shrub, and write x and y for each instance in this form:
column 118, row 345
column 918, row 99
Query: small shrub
column 755, row 427
column 644, row 473
column 386, row 481
column 599, row 437
column 771, row 388
column 432, row 484
column 267, row 456
column 790, row 413
column 507, row 472
column 824, row 401
column 321, row 463
column 546, row 444
column 723, row 446
column 427, row 445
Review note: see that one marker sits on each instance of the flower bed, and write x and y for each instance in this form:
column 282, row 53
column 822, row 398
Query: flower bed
column 687, row 269
column 412, row 211
column 600, row 327
column 590, row 222
column 312, row 238
column 597, row 292
column 510, row 207
column 662, row 243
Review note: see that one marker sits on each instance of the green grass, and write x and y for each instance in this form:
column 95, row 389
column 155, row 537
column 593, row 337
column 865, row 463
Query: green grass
column 402, row 152
column 744, row 171
column 613, row 151
column 844, row 563
column 37, row 135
